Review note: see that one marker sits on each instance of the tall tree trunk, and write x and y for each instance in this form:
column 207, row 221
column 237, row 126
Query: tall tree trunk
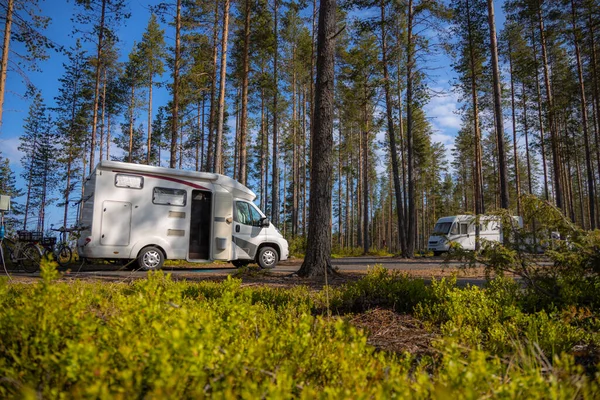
column 131, row 122
column 221, row 120
column 175, row 115
column 412, row 215
column 213, row 93
column 103, row 115
column 514, row 129
column 295, row 184
column 504, row 201
column 244, row 118
column 318, row 254
column 553, row 131
column 596, row 92
column 392, row 133
column 97, row 86
column 526, row 133
column 149, row 153
column 275, row 178
column 5, row 51
column 584, row 122
column 477, row 176
column 365, row 184
column 540, row 118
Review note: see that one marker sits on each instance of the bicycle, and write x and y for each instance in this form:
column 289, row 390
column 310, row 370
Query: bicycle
column 23, row 251
column 62, row 252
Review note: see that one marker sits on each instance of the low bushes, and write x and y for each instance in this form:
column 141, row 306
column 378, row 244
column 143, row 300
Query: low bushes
column 158, row 338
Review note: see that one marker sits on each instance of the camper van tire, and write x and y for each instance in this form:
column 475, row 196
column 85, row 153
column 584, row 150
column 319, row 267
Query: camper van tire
column 267, row 257
column 437, row 253
column 150, row 258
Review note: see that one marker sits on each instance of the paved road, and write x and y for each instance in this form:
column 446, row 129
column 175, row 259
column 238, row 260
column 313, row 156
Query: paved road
column 356, row 264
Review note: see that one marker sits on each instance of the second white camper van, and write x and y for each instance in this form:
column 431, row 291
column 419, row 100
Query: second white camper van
column 461, row 229
column 151, row 214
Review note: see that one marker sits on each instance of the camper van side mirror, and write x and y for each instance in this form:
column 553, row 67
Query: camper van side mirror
column 264, row 222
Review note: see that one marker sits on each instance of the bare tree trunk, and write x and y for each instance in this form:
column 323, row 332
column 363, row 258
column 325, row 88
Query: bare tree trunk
column 526, row 133
column 514, row 128
column 97, row 86
column 4, row 66
column 103, row 115
column 149, row 153
column 412, row 215
column 553, row 132
column 596, row 92
column 584, row 122
column 275, row 191
column 540, row 118
column 318, row 254
column 391, row 133
column 213, row 92
column 478, row 179
column 220, row 122
column 131, row 122
column 175, row 116
column 244, row 118
column 504, row 201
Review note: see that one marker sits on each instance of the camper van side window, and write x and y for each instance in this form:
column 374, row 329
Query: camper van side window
column 129, row 181
column 169, row 197
column 454, row 230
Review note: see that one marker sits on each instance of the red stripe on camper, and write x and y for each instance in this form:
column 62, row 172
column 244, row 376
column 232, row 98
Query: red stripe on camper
column 167, row 178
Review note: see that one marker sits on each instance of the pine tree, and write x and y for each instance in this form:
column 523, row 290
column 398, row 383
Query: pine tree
column 152, row 53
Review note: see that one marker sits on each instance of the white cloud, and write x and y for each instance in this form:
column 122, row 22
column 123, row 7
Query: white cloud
column 9, row 148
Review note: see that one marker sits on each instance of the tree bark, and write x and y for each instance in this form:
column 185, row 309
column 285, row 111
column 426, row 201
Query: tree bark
column 213, row 92
column 275, row 177
column 5, row 51
column 318, row 254
column 220, row 123
column 412, row 215
column 392, row 134
column 149, row 153
column 504, row 201
column 514, row 129
column 175, row 115
column 97, row 86
column 551, row 122
column 584, row 123
column 244, row 118
column 540, row 118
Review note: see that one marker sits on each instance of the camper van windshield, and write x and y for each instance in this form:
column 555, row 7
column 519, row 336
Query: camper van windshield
column 442, row 228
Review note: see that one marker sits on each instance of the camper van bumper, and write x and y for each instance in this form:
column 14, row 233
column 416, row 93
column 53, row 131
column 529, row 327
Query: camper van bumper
column 437, row 244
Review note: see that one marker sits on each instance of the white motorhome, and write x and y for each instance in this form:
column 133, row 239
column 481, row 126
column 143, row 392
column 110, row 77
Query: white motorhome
column 461, row 229
column 151, row 214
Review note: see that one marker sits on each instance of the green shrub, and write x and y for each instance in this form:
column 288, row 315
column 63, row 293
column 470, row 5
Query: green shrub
column 156, row 338
column 379, row 288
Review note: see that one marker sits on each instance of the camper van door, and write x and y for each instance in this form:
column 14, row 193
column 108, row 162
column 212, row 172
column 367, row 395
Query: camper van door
column 222, row 222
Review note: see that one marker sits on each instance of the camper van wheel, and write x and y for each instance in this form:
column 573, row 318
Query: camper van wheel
column 437, row 253
column 240, row 263
column 267, row 257
column 150, row 259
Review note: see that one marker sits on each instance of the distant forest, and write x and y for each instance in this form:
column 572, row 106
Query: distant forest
column 241, row 77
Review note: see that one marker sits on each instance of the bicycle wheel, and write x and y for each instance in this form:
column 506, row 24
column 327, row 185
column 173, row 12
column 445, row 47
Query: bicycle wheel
column 31, row 257
column 63, row 255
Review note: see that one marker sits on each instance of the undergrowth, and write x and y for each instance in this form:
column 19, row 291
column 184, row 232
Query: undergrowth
column 159, row 338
